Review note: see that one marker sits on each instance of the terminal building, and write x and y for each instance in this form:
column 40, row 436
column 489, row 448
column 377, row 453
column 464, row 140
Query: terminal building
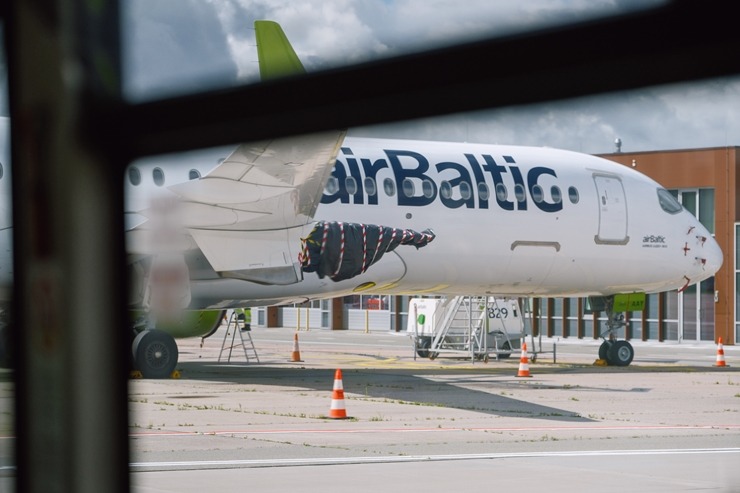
column 705, row 181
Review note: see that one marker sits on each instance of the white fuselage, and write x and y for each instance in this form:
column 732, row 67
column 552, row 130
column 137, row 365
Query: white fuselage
column 508, row 220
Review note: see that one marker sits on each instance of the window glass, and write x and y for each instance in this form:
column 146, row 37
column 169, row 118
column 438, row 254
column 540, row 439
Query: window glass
column 134, row 176
column 537, row 194
column 573, row 195
column 483, row 191
column 688, row 200
column 519, row 193
column 408, row 188
column 465, row 191
column 7, row 279
column 332, row 186
column 427, row 188
column 351, row 185
column 668, row 202
column 445, row 189
column 158, row 176
column 389, row 187
column 501, row 192
column 557, row 197
column 178, row 47
column 370, row 187
column 194, row 174
column 706, row 208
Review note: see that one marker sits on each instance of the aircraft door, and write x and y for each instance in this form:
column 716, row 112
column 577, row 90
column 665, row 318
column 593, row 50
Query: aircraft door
column 612, row 210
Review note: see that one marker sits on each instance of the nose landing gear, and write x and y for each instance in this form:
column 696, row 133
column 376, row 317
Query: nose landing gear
column 613, row 351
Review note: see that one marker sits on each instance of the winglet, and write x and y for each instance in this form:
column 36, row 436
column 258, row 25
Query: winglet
column 276, row 56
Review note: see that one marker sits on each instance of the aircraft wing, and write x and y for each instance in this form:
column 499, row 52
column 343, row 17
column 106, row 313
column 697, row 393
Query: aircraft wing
column 247, row 215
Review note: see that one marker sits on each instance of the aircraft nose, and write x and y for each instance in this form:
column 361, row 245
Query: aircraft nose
column 708, row 254
column 713, row 254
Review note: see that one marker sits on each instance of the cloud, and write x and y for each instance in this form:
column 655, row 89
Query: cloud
column 179, row 46
column 681, row 116
column 171, row 47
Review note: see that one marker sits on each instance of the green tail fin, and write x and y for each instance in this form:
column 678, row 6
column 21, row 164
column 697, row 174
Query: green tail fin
column 275, row 54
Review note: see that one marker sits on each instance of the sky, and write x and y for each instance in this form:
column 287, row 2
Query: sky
column 179, row 46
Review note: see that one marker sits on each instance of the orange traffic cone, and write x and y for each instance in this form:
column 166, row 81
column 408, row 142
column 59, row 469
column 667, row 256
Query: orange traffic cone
column 337, row 410
column 720, row 354
column 524, row 363
column 296, row 355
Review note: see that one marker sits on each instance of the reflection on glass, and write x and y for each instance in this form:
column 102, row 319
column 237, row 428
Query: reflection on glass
column 690, row 313
column 172, row 47
column 706, row 293
column 7, row 384
column 706, row 208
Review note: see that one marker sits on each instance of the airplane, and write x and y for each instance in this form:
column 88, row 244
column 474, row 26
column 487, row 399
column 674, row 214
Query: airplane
column 293, row 219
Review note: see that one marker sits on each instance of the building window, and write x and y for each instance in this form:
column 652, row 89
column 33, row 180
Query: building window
column 737, row 282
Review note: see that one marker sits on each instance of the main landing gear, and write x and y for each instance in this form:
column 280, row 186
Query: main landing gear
column 614, row 352
column 154, row 352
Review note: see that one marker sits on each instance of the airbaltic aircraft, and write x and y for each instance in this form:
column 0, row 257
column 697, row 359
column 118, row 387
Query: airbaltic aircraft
column 294, row 219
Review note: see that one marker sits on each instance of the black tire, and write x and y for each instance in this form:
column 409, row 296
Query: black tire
column 604, row 350
column 621, row 353
column 422, row 346
column 155, row 354
column 505, row 347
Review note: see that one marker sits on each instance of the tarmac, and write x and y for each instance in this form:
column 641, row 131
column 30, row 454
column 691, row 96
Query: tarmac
column 249, row 414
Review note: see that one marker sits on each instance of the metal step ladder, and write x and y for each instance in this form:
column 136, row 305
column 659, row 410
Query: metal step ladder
column 237, row 325
column 458, row 322
column 461, row 327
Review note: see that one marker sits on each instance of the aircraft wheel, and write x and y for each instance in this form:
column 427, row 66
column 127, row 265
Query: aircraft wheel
column 604, row 350
column 155, row 354
column 422, row 346
column 505, row 347
column 621, row 353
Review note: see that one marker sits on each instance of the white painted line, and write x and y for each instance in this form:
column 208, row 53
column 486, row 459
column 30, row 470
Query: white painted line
column 418, row 458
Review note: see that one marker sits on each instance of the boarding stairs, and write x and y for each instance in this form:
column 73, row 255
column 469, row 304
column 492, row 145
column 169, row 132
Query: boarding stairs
column 238, row 325
column 461, row 328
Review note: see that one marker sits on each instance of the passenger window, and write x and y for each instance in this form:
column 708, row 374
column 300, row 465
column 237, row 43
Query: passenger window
column 501, row 192
column 519, row 193
column 538, row 195
column 194, row 174
column 445, row 189
column 573, row 195
column 483, row 191
column 2, row 171
column 408, row 187
column 134, row 176
column 158, row 176
column 427, row 188
column 332, row 185
column 668, row 202
column 557, row 197
column 351, row 185
column 389, row 187
column 370, row 187
column 465, row 191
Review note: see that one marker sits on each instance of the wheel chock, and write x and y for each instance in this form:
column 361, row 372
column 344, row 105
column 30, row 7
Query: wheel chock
column 175, row 374
column 601, row 362
column 136, row 374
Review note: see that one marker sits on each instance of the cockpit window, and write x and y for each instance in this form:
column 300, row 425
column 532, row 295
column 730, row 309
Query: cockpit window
column 668, row 202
